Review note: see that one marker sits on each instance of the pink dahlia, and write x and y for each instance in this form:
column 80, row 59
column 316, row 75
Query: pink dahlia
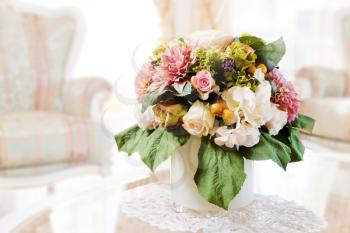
column 285, row 96
column 175, row 61
column 144, row 80
column 160, row 80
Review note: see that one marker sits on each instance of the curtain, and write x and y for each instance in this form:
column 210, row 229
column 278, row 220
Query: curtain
column 181, row 17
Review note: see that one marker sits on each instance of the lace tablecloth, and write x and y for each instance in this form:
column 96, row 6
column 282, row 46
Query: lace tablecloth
column 150, row 209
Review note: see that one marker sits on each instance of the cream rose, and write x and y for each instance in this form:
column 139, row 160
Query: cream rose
column 198, row 121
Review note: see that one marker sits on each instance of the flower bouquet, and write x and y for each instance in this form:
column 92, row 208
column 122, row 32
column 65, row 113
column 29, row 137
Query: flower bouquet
column 227, row 94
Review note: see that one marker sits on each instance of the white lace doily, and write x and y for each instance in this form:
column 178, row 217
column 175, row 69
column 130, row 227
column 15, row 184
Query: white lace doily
column 266, row 214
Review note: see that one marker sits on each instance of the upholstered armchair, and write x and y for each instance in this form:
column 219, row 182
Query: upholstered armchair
column 50, row 127
column 325, row 97
column 325, row 92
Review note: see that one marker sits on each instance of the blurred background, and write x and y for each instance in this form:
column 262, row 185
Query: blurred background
column 311, row 29
column 54, row 178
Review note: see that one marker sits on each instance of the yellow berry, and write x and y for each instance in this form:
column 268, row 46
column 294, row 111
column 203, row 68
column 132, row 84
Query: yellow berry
column 222, row 104
column 251, row 69
column 227, row 115
column 263, row 68
column 216, row 108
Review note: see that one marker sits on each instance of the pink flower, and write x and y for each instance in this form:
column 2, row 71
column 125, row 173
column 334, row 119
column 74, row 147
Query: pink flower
column 277, row 78
column 176, row 61
column 285, row 97
column 202, row 81
column 160, row 80
column 144, row 80
column 204, row 84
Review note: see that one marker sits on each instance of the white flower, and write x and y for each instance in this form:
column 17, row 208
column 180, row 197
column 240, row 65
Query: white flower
column 240, row 100
column 239, row 97
column 278, row 121
column 249, row 107
column 210, row 38
column 198, row 120
column 259, row 75
column 263, row 112
column 246, row 106
column 263, row 92
column 243, row 136
column 147, row 120
column 225, row 137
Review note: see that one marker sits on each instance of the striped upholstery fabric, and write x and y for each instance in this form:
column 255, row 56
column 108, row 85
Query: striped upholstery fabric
column 33, row 55
column 37, row 138
column 79, row 96
column 46, row 122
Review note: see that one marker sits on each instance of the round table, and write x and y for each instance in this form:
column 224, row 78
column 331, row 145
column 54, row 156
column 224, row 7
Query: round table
column 146, row 207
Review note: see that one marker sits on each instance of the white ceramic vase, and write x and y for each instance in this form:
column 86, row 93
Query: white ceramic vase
column 184, row 191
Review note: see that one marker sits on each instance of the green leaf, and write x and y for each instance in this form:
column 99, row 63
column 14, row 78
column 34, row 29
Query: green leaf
column 154, row 146
column 150, row 99
column 269, row 147
column 186, row 91
column 156, row 97
column 296, row 145
column 291, row 137
column 304, row 122
column 220, row 174
column 129, row 139
column 252, row 41
column 159, row 146
column 272, row 53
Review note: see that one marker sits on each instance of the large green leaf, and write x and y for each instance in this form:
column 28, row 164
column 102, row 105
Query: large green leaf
column 296, row 145
column 159, row 146
column 252, row 41
column 304, row 122
column 154, row 146
column 272, row 53
column 291, row 137
column 129, row 139
column 269, row 147
column 220, row 174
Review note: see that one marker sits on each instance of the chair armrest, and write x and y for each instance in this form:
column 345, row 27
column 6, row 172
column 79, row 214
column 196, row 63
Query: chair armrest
column 85, row 97
column 317, row 81
column 332, row 115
